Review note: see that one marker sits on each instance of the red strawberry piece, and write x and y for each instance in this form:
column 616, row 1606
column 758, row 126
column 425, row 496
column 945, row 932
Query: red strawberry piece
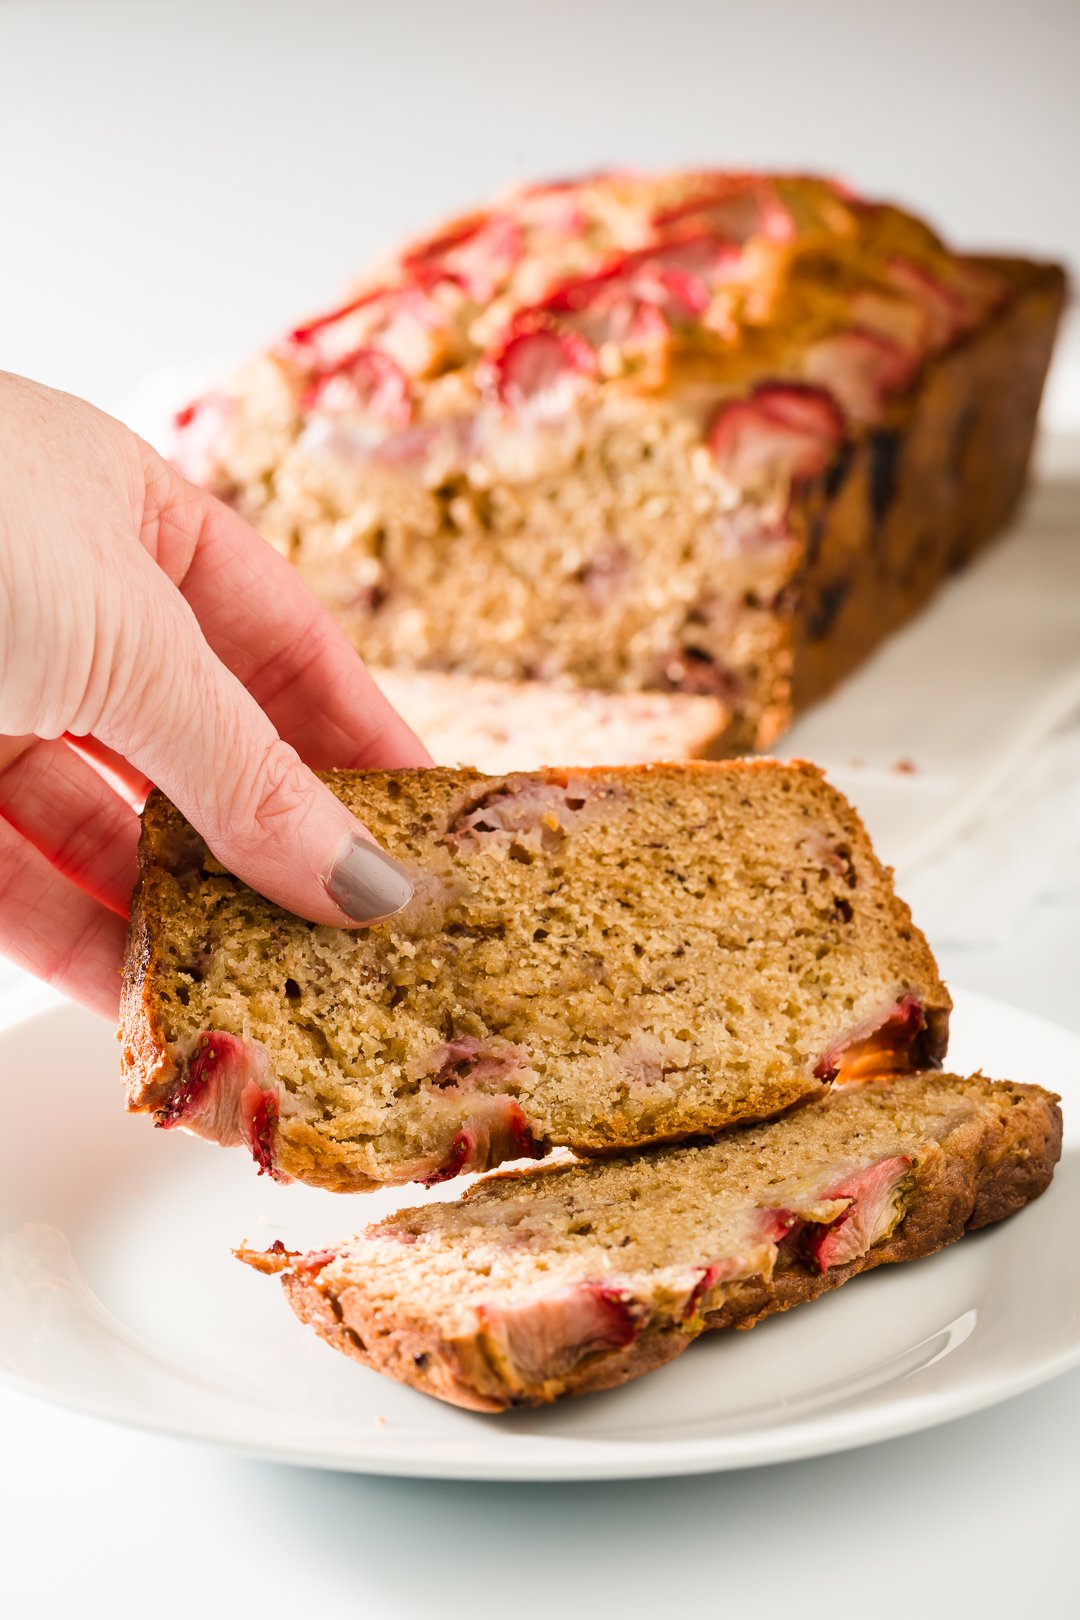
column 411, row 328
column 870, row 1215
column 315, row 1261
column 779, row 1225
column 860, row 369
column 631, row 301
column 200, row 431
column 496, row 1130
column 301, row 336
column 478, row 254
column 888, row 1043
column 781, row 430
column 467, row 1061
column 223, row 1097
column 539, row 369
column 735, row 206
column 260, row 1110
column 548, row 1334
column 702, row 254
column 607, row 309
column 719, row 1271
column 365, row 383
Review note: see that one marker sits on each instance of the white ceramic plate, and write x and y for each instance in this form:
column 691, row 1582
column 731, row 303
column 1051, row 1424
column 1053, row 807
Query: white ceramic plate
column 119, row 1296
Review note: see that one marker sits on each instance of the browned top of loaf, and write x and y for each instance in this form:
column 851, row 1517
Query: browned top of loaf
column 618, row 956
column 698, row 282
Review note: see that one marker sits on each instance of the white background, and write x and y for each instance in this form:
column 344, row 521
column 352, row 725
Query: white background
column 177, row 180
column 180, row 178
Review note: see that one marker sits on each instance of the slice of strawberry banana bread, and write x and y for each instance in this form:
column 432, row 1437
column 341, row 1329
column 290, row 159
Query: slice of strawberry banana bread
column 708, row 432
column 503, row 726
column 564, row 1280
column 598, row 959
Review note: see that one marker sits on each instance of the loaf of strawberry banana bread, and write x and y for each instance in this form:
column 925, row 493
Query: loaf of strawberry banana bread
column 560, row 1281
column 596, row 959
column 704, row 432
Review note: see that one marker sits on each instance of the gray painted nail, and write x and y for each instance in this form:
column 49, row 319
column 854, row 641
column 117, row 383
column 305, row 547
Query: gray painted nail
column 366, row 882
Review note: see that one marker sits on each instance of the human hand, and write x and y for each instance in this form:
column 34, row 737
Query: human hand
column 144, row 627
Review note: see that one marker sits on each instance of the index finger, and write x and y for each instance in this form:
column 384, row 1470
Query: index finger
column 264, row 623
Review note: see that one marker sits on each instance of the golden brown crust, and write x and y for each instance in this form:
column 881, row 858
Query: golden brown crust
column 924, row 492
column 990, row 1164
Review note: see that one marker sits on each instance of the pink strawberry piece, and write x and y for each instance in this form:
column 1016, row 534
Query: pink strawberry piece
column 719, row 1271
column 467, row 1061
column 780, row 1225
column 702, row 254
column 886, row 1044
column 546, row 1335
column 478, row 255
column 737, row 207
column 860, row 369
column 607, row 310
column 365, row 383
column 200, row 430
column 780, row 430
column 869, row 1217
column 539, row 370
column 223, row 1097
column 302, row 336
column 497, row 1130
column 260, row 1111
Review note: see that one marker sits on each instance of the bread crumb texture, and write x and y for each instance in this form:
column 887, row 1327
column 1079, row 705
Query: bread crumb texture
column 559, row 1281
column 597, row 959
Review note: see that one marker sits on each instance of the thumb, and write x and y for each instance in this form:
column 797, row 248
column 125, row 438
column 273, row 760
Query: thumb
column 184, row 720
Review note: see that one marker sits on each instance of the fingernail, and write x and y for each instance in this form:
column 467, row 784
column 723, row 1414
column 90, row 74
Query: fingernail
column 366, row 882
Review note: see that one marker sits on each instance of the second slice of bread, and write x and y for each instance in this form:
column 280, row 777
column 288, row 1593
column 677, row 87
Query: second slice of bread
column 560, row 1281
column 600, row 959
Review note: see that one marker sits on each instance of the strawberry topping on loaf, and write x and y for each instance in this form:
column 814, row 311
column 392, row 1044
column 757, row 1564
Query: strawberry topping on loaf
column 599, row 959
column 674, row 387
column 560, row 1281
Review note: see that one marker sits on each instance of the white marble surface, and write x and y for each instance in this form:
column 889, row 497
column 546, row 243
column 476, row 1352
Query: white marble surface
column 178, row 176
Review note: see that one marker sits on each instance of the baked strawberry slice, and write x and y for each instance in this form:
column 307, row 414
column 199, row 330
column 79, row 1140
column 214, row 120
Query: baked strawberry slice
column 201, row 429
column 872, row 1213
column 733, row 206
column 860, row 369
column 709, row 257
column 304, row 336
column 478, row 254
column 496, row 1130
column 891, row 1042
column 951, row 301
column 545, row 1335
column 608, row 309
column 366, row 383
column 224, row 1096
column 539, row 370
column 781, row 431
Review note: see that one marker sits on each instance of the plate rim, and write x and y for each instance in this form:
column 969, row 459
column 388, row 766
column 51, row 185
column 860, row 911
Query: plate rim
column 539, row 1459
